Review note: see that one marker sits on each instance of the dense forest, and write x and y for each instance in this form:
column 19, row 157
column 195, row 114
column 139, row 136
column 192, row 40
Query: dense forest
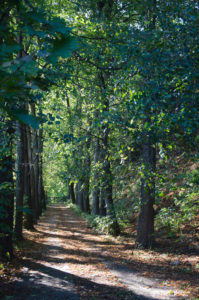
column 99, row 109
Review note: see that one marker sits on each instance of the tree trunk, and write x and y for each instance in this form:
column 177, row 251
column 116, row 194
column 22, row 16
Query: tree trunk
column 40, row 177
column 102, row 192
column 28, row 221
column 42, row 191
column 106, row 191
column 6, row 194
column 79, row 195
column 86, row 165
column 72, row 192
column 95, row 201
column 44, row 197
column 145, row 229
column 35, row 166
column 32, row 174
column 19, row 180
column 86, row 204
column 96, row 189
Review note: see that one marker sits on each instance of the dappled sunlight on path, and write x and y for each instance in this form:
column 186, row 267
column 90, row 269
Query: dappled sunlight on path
column 64, row 259
column 58, row 265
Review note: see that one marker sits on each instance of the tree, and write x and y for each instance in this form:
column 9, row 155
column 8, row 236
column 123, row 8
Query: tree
column 6, row 188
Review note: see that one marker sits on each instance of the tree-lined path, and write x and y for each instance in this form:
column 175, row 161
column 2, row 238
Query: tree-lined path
column 99, row 108
column 64, row 259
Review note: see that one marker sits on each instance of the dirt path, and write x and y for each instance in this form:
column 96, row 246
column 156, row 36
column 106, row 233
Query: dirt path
column 67, row 260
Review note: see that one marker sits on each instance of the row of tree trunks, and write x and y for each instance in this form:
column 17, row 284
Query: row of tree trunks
column 36, row 195
column 26, row 145
column 30, row 196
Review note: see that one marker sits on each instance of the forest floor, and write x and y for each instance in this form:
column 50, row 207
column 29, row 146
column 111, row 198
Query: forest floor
column 64, row 259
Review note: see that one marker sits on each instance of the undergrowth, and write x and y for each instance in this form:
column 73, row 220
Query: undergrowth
column 179, row 203
column 101, row 224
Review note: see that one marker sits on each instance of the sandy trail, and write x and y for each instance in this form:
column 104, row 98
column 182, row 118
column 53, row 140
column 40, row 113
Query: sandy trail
column 69, row 261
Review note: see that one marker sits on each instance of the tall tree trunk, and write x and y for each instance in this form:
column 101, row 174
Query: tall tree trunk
column 19, row 180
column 35, row 166
column 42, row 191
column 107, row 195
column 44, row 197
column 145, row 229
column 96, row 189
column 40, row 177
column 106, row 188
column 86, row 204
column 6, row 193
column 39, row 187
column 79, row 195
column 28, row 222
column 86, row 164
column 72, row 192
column 32, row 174
column 71, row 185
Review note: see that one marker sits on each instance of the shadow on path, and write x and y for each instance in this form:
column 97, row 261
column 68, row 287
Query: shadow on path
column 44, row 282
column 62, row 239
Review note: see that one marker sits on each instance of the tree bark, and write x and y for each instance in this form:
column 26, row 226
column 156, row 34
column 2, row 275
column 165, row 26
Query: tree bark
column 106, row 189
column 35, row 166
column 32, row 174
column 28, row 221
column 145, row 229
column 79, row 195
column 40, row 188
column 6, row 194
column 96, row 189
column 42, row 191
column 86, row 204
column 86, row 165
column 19, row 181
column 72, row 192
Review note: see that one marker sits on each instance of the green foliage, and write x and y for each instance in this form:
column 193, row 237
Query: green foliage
column 184, row 203
column 46, row 37
column 62, row 47
column 27, row 119
column 101, row 224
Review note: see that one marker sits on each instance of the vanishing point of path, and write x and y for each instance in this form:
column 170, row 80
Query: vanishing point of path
column 67, row 260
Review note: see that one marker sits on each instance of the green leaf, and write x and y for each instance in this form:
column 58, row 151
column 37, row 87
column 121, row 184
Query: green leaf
column 58, row 25
column 27, row 119
column 62, row 47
